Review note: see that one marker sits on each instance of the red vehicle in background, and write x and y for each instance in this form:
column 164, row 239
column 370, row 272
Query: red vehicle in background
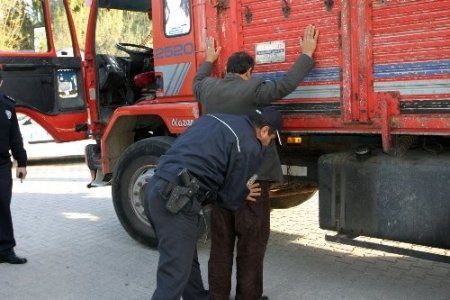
column 368, row 127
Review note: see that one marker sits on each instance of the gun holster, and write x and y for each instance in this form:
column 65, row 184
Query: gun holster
column 184, row 193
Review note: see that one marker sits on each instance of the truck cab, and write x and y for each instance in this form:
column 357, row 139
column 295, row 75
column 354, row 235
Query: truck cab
column 131, row 82
column 42, row 68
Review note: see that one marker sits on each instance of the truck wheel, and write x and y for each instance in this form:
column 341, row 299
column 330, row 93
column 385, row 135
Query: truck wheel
column 136, row 164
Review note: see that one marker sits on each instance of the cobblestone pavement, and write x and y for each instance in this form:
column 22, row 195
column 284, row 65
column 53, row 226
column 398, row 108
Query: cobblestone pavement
column 78, row 250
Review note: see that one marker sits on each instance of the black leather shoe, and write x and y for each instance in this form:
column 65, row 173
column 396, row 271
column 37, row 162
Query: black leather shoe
column 264, row 298
column 12, row 258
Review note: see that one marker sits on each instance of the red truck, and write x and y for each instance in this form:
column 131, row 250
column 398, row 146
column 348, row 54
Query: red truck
column 368, row 127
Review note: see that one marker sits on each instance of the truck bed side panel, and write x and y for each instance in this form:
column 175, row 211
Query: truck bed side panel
column 381, row 66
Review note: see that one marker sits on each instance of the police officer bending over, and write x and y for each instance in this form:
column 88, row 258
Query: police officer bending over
column 210, row 162
column 10, row 139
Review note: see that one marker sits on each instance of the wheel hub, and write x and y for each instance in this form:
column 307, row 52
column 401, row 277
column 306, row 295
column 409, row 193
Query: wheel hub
column 139, row 180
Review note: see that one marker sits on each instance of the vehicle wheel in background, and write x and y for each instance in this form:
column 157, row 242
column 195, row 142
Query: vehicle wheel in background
column 135, row 166
column 290, row 195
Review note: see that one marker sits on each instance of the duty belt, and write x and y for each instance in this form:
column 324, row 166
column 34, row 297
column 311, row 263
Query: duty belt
column 179, row 195
column 202, row 196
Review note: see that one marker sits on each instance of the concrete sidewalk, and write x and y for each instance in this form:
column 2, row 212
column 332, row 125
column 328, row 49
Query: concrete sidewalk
column 77, row 250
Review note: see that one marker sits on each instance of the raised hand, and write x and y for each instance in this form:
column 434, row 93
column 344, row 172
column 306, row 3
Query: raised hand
column 212, row 54
column 309, row 41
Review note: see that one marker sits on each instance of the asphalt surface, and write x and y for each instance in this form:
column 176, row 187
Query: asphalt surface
column 78, row 250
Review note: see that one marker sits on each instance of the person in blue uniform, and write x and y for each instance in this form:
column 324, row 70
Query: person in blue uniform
column 211, row 161
column 10, row 140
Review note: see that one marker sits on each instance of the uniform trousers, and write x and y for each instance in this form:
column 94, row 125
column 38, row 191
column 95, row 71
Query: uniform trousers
column 7, row 242
column 250, row 224
column 178, row 271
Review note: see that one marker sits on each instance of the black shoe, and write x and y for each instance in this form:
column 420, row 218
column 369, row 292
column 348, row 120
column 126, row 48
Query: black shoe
column 12, row 258
column 264, row 298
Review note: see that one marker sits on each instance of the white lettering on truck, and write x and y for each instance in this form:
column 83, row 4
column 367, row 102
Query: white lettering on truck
column 181, row 123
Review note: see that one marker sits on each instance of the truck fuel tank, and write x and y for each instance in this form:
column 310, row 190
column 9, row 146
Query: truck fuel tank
column 387, row 197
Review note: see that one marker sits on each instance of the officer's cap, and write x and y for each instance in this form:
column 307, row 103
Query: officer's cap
column 273, row 118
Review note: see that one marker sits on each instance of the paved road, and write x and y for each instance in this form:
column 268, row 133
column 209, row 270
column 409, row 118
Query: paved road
column 78, row 250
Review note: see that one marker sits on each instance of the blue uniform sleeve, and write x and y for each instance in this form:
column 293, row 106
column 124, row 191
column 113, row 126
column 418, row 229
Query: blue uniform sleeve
column 16, row 142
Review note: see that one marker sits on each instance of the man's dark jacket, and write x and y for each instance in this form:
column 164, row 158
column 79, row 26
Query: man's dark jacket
column 234, row 95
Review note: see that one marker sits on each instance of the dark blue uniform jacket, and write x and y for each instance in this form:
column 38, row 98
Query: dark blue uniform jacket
column 10, row 137
column 222, row 151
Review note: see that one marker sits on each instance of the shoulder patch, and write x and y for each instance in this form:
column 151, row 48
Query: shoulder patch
column 10, row 98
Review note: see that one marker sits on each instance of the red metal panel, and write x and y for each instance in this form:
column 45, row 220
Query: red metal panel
column 269, row 22
column 346, row 63
column 223, row 24
column 374, row 47
column 416, row 34
column 411, row 55
column 355, row 68
column 176, row 50
column 413, row 30
column 176, row 116
column 365, row 58
column 357, row 62
column 60, row 127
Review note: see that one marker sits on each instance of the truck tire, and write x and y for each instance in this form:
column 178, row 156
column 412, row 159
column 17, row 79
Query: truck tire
column 135, row 166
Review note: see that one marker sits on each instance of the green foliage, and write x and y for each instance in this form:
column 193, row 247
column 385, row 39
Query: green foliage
column 21, row 23
column 122, row 26
column 80, row 15
column 113, row 26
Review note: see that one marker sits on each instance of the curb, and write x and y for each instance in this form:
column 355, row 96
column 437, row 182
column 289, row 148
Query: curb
column 69, row 159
